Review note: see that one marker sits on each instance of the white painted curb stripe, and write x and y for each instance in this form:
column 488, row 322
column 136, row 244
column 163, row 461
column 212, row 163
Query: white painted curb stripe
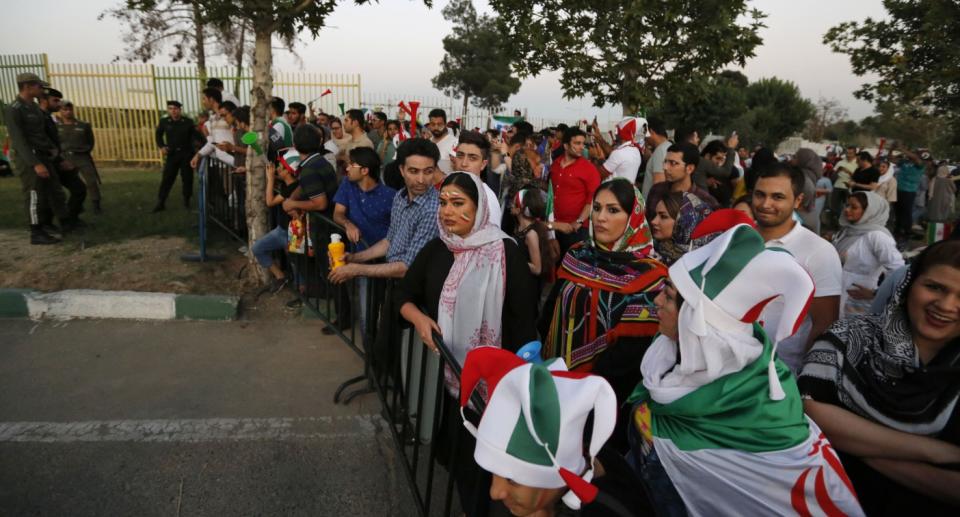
column 189, row 431
column 88, row 303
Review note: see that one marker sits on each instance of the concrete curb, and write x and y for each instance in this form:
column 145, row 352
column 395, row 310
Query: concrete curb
column 89, row 303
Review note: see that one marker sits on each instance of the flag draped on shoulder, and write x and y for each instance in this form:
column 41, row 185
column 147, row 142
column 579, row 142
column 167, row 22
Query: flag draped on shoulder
column 726, row 419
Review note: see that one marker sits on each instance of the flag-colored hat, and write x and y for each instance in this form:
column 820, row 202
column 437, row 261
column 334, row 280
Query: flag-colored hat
column 290, row 159
column 633, row 128
column 532, row 428
column 731, row 279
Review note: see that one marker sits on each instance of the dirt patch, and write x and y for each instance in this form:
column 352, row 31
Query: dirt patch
column 143, row 264
column 149, row 264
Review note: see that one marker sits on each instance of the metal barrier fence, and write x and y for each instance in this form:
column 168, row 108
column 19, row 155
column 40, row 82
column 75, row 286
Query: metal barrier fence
column 408, row 380
column 227, row 198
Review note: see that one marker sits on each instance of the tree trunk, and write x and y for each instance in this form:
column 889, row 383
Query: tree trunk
column 261, row 94
column 198, row 29
column 463, row 116
column 628, row 97
column 239, row 58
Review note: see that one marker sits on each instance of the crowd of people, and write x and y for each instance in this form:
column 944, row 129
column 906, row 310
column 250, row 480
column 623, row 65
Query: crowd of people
column 741, row 330
column 740, row 327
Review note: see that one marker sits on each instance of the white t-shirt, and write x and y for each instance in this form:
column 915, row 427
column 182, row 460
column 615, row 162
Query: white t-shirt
column 446, row 146
column 624, row 162
column 871, row 254
column 331, row 157
column 822, row 262
column 227, row 96
column 655, row 165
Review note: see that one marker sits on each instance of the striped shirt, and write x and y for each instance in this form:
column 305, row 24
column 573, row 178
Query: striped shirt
column 412, row 225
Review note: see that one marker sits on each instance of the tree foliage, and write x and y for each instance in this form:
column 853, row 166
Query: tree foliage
column 187, row 29
column 627, row 52
column 914, row 127
column 150, row 27
column 709, row 103
column 827, row 115
column 475, row 65
column 775, row 111
column 914, row 51
column 764, row 112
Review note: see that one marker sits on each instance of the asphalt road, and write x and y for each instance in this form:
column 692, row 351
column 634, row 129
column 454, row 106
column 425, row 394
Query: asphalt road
column 187, row 418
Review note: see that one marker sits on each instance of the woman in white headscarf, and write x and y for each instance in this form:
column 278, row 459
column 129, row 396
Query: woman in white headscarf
column 866, row 250
column 472, row 286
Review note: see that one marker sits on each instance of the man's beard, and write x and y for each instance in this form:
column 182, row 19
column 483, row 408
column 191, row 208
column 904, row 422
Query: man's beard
column 438, row 134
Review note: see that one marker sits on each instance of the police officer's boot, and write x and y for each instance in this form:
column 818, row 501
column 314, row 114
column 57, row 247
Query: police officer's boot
column 38, row 236
column 158, row 208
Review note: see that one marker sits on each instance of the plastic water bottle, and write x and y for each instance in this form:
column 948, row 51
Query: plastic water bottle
column 336, row 249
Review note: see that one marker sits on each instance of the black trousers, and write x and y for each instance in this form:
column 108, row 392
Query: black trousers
column 43, row 197
column 76, row 187
column 904, row 209
column 176, row 163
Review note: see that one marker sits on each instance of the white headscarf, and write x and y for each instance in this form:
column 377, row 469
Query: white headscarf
column 874, row 219
column 471, row 302
column 728, row 346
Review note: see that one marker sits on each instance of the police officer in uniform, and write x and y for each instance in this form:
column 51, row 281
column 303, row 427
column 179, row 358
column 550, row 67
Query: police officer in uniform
column 34, row 154
column 50, row 103
column 76, row 141
column 176, row 135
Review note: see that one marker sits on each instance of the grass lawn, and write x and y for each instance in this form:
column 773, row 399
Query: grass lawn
column 125, row 248
column 128, row 196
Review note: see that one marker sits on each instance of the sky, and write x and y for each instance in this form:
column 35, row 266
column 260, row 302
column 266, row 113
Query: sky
column 396, row 46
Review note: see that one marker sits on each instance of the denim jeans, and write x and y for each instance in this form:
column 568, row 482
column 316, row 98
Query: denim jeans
column 274, row 240
column 649, row 469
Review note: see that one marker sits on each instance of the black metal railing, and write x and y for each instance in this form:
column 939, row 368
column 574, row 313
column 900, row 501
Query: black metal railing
column 226, row 198
column 408, row 379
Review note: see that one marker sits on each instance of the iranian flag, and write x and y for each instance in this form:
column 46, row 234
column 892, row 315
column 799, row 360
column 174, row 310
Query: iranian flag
column 937, row 232
column 502, row 123
column 729, row 449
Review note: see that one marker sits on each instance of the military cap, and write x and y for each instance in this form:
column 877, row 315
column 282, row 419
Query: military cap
column 174, row 103
column 29, row 77
column 52, row 92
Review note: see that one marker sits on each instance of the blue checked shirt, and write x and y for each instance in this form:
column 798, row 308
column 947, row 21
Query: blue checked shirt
column 412, row 225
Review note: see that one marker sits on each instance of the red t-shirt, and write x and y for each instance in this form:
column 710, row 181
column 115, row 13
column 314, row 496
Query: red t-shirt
column 573, row 187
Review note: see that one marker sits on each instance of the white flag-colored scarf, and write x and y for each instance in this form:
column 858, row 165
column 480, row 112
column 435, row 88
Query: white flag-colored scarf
column 471, row 302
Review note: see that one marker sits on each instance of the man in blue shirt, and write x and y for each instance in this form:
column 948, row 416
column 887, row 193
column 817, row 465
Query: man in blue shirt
column 909, row 170
column 413, row 217
column 363, row 204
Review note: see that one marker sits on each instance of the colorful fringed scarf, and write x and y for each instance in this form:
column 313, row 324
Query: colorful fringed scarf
column 603, row 295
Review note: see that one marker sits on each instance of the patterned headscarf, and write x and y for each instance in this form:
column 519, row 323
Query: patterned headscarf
column 692, row 211
column 636, row 237
column 871, row 366
column 603, row 295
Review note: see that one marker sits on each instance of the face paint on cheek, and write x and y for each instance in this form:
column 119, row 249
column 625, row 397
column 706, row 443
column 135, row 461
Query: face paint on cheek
column 465, row 217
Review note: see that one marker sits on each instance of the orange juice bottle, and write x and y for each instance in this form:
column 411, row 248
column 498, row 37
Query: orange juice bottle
column 337, row 249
